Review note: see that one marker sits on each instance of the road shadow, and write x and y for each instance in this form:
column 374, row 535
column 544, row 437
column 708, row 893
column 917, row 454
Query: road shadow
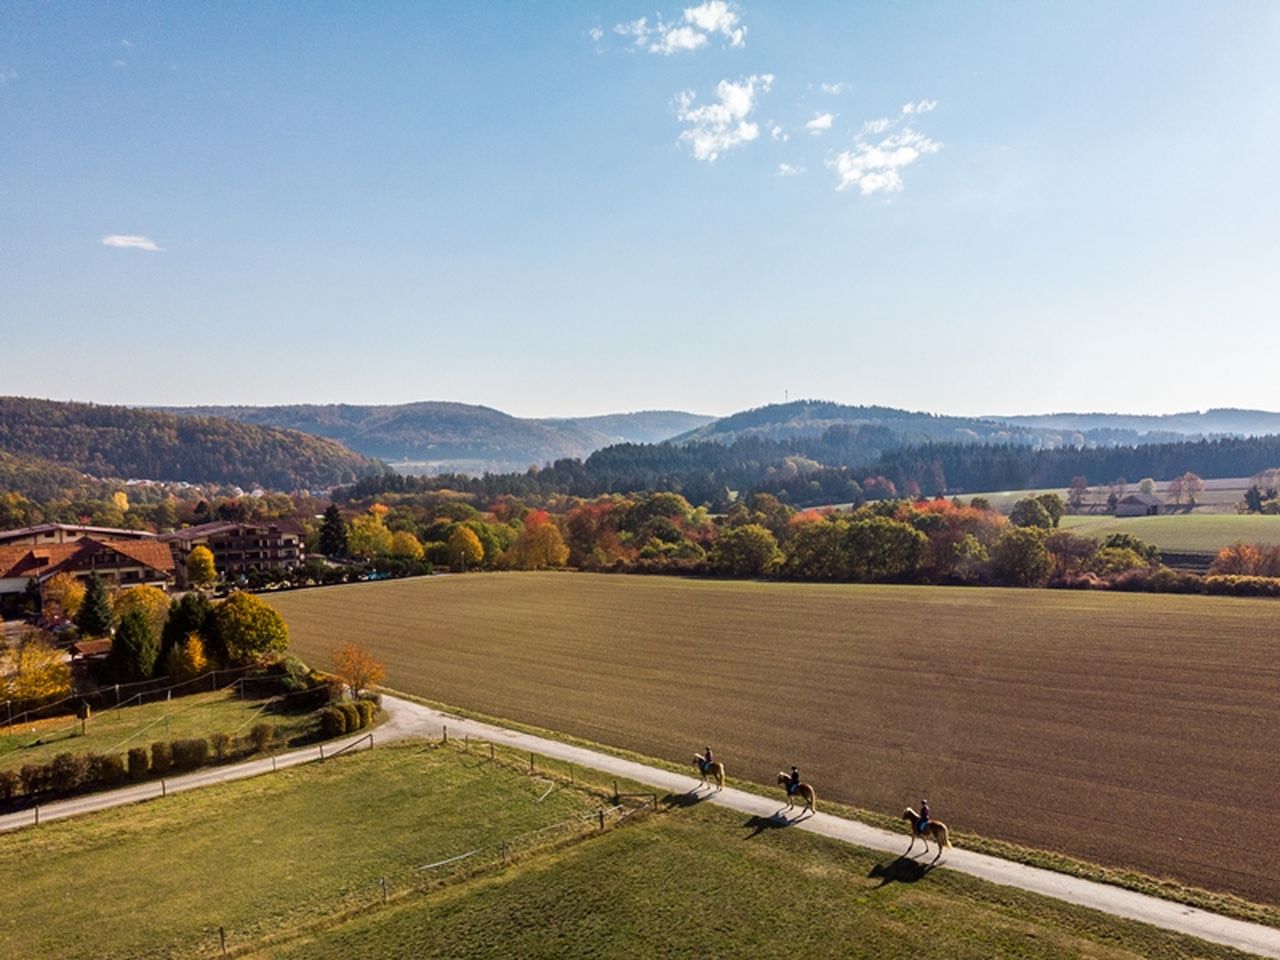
column 758, row 824
column 902, row 870
column 690, row 798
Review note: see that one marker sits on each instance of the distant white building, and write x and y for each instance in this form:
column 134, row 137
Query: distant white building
column 1139, row 505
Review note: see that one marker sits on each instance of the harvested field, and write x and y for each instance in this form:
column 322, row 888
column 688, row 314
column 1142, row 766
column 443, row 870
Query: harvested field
column 1060, row 720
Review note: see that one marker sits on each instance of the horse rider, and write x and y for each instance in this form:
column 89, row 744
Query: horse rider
column 707, row 759
column 924, row 816
column 794, row 780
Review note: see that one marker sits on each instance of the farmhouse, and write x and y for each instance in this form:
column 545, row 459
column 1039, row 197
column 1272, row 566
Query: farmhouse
column 46, row 533
column 239, row 548
column 121, row 563
column 1139, row 505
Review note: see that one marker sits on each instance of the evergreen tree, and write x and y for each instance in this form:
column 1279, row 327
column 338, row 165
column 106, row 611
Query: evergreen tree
column 333, row 533
column 94, row 618
column 192, row 614
column 134, row 649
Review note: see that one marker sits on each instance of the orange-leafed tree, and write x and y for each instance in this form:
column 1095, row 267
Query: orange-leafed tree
column 357, row 667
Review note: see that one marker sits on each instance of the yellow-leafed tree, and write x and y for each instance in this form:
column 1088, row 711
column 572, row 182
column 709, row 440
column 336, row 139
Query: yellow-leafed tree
column 200, row 569
column 405, row 544
column 357, row 667
column 187, row 659
column 34, row 670
column 465, row 548
column 66, row 592
column 151, row 602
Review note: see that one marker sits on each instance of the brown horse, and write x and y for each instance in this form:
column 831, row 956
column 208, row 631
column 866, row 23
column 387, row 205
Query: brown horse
column 715, row 768
column 934, row 828
column 802, row 790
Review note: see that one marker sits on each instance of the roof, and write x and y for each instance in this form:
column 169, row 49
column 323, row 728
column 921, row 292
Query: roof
column 39, row 528
column 203, row 530
column 91, row 648
column 43, row 561
column 1146, row 499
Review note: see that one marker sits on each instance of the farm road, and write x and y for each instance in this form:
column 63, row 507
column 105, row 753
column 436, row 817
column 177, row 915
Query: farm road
column 409, row 719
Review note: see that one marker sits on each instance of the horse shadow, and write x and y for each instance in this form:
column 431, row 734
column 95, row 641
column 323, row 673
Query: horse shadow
column 904, row 869
column 690, row 798
column 758, row 824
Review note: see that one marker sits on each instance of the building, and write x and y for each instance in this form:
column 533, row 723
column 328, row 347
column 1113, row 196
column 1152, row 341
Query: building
column 120, row 563
column 43, row 534
column 240, row 547
column 1139, row 505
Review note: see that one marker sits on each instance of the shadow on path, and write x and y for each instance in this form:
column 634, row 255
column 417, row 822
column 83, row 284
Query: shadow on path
column 902, row 870
column 758, row 824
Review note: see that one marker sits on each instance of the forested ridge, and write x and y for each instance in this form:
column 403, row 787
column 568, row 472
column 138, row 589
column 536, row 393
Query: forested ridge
column 113, row 441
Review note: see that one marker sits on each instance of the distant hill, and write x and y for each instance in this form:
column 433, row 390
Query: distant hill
column 437, row 436
column 111, row 441
column 801, row 418
column 1128, row 428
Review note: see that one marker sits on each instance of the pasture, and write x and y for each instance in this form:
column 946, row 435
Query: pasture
column 1124, row 729
column 258, row 856
column 701, row 883
column 1182, row 533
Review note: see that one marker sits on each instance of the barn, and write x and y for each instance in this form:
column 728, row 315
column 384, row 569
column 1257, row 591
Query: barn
column 1139, row 505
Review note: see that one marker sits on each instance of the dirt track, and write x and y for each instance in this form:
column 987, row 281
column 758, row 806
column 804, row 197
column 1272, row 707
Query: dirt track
column 1054, row 719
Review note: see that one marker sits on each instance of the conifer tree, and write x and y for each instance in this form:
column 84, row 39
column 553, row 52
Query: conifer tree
column 333, row 533
column 94, row 618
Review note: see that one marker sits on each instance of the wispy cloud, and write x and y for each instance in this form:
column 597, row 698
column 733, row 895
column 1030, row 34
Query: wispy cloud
column 128, row 241
column 695, row 28
column 875, row 126
column 820, row 122
column 714, row 128
column 920, row 106
column 875, row 167
column 777, row 133
column 834, row 87
column 787, row 170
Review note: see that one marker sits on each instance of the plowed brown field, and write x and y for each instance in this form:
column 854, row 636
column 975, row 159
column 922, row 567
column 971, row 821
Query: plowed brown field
column 1131, row 730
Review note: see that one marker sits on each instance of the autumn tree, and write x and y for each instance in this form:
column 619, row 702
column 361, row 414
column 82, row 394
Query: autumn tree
column 1146, row 485
column 64, row 592
column 357, row 667
column 151, row 602
column 1192, row 487
column 1077, row 494
column 248, row 628
column 1020, row 558
column 333, row 533
column 34, row 670
column 816, row 551
column 539, row 545
column 193, row 614
column 1030, row 512
column 369, row 537
column 465, row 549
column 95, row 617
column 879, row 548
column 200, row 569
column 750, row 550
column 406, row 546
column 187, row 659
column 134, row 648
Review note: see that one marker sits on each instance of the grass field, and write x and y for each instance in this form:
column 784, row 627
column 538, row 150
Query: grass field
column 1060, row 720
column 1219, row 495
column 702, row 883
column 257, row 856
column 1183, row 533
column 115, row 731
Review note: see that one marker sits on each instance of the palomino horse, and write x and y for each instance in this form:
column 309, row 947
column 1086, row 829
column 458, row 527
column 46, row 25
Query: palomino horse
column 934, row 828
column 802, row 790
column 715, row 768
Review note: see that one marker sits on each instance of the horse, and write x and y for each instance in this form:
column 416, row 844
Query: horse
column 715, row 768
column 934, row 828
column 801, row 790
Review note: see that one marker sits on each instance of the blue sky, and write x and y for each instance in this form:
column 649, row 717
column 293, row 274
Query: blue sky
column 554, row 210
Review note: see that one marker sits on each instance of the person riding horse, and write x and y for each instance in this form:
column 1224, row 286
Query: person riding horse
column 924, row 816
column 707, row 760
column 794, row 780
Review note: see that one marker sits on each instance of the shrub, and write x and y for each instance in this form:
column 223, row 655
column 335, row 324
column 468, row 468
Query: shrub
column 161, row 758
column 333, row 722
column 109, row 769
column 68, row 771
column 374, row 698
column 1243, row 586
column 34, row 777
column 262, row 736
column 221, row 744
column 138, row 765
column 353, row 716
column 190, row 753
column 9, row 783
column 368, row 710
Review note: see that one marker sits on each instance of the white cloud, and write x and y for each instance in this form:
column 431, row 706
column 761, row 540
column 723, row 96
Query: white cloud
column 777, row 133
column 126, row 43
column 834, row 87
column 596, row 34
column 126, row 241
column 695, row 28
column 716, row 127
column 820, row 122
column 787, row 170
column 920, row 106
column 874, row 168
column 875, row 126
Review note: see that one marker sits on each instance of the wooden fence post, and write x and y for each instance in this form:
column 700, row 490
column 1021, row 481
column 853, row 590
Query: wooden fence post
column 602, row 818
column 222, row 936
column 384, row 891
column 37, row 823
column 491, row 751
column 445, row 730
column 531, row 763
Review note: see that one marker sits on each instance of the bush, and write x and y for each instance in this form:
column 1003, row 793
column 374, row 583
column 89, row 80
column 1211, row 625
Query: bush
column 190, row 753
column 333, row 722
column 367, row 710
column 353, row 716
column 34, row 777
column 108, row 769
column 221, row 744
column 262, row 736
column 161, row 758
column 67, row 771
column 9, row 783
column 138, row 765
column 1243, row 586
